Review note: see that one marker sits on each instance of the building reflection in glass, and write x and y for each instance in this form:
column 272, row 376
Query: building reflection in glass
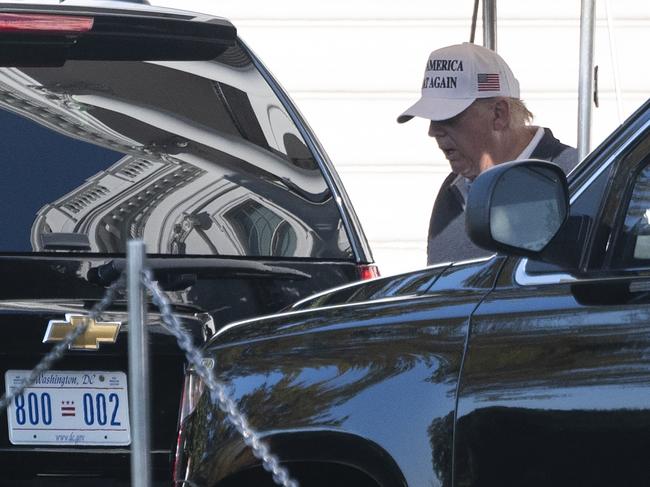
column 195, row 158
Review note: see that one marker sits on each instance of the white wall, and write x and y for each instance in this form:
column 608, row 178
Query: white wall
column 353, row 66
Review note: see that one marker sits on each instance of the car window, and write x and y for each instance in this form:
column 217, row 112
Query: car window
column 195, row 157
column 630, row 241
column 637, row 220
column 633, row 249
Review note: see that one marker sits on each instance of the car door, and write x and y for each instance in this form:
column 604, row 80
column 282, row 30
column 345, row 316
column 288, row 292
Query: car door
column 555, row 388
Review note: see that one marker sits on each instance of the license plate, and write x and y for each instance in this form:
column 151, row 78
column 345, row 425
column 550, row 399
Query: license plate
column 69, row 408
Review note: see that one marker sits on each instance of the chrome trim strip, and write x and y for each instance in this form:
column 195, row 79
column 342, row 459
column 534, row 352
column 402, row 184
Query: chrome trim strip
column 524, row 279
column 521, row 276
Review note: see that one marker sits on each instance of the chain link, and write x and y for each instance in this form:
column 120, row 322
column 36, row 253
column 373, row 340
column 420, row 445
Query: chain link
column 59, row 350
column 217, row 389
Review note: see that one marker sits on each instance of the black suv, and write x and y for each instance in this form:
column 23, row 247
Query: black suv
column 123, row 121
column 528, row 368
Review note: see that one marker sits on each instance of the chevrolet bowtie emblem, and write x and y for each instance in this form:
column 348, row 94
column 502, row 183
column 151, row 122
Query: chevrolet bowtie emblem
column 96, row 333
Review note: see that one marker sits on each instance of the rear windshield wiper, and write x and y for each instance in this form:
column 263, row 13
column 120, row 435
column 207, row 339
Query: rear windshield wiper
column 64, row 241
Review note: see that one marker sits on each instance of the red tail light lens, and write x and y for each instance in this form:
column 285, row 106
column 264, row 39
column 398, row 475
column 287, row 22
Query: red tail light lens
column 368, row 271
column 192, row 390
column 60, row 24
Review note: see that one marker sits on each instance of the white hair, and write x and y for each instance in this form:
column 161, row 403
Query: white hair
column 519, row 113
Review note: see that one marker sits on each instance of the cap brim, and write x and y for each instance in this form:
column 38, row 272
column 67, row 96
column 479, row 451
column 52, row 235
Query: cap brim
column 436, row 109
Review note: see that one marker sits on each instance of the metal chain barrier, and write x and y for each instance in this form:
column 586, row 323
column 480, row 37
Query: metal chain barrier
column 217, row 389
column 218, row 392
column 59, row 350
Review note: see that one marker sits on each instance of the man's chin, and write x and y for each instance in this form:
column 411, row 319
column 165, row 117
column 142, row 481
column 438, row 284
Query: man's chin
column 462, row 170
column 467, row 174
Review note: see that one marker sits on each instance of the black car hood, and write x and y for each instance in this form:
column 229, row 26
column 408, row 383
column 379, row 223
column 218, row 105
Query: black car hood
column 363, row 300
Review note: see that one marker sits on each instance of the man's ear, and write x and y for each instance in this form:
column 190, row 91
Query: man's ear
column 501, row 115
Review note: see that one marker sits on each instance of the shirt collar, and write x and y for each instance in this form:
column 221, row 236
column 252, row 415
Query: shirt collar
column 528, row 150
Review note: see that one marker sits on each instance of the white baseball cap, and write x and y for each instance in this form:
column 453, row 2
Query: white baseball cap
column 457, row 75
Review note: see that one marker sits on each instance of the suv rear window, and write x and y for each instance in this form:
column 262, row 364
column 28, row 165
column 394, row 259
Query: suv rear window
column 196, row 158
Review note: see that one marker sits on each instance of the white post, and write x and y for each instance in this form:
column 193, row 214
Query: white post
column 139, row 391
column 585, row 86
column 490, row 24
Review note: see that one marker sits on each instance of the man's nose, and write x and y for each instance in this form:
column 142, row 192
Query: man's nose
column 436, row 129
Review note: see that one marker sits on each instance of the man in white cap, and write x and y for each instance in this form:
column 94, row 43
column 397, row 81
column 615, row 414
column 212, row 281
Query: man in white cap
column 472, row 99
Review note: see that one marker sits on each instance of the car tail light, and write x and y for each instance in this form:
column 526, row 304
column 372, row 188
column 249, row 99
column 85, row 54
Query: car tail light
column 30, row 23
column 193, row 387
column 192, row 390
column 368, row 271
column 51, row 39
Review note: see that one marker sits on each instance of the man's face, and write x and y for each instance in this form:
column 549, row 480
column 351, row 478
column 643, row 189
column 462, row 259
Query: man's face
column 467, row 139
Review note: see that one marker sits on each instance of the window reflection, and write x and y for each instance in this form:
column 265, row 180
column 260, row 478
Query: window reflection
column 195, row 158
column 262, row 230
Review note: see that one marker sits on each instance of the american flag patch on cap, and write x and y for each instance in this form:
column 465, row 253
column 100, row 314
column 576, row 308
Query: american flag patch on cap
column 488, row 82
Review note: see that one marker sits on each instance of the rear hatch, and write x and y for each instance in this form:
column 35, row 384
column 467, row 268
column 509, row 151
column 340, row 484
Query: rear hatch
column 119, row 125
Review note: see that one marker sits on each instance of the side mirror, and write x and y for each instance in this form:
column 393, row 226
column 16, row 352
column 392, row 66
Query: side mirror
column 517, row 207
